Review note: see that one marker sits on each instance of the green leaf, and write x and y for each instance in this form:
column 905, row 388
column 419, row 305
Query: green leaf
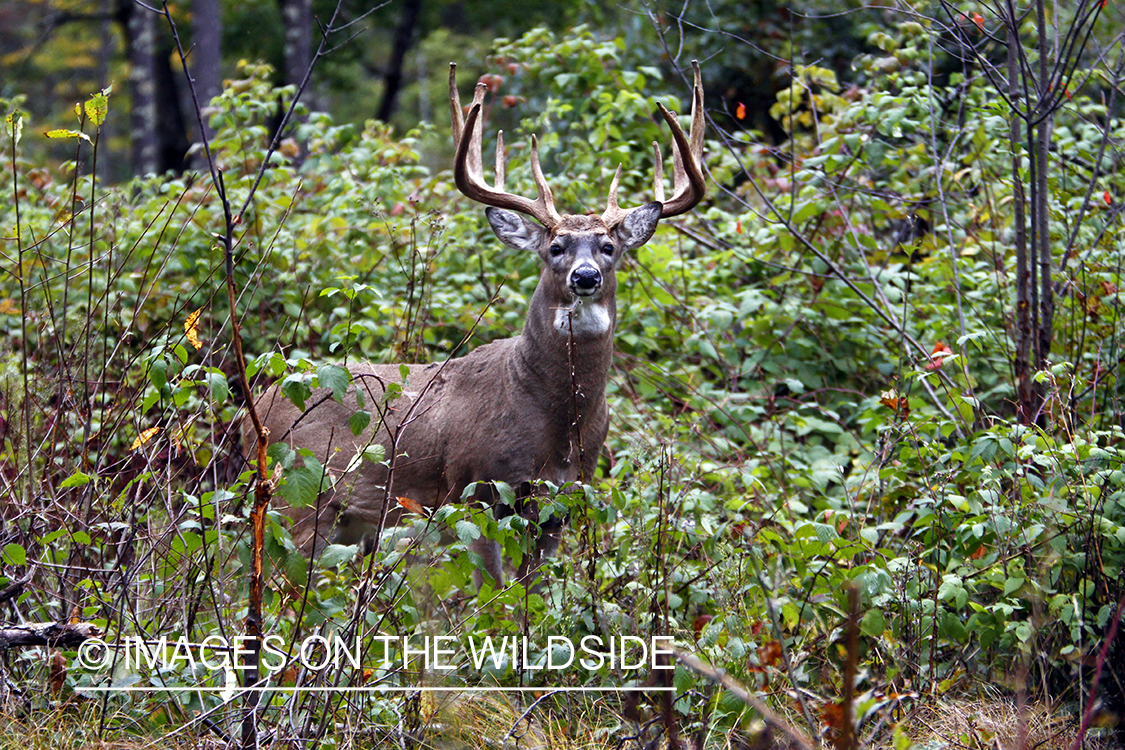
column 15, row 126
column 337, row 554
column 51, row 537
column 806, row 211
column 302, row 484
column 77, row 479
column 336, row 378
column 158, row 373
column 467, row 531
column 14, row 554
column 220, row 389
column 358, row 421
column 296, row 390
column 506, row 493
column 873, row 623
column 373, row 453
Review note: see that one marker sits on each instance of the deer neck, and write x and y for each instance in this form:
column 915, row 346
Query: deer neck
column 567, row 346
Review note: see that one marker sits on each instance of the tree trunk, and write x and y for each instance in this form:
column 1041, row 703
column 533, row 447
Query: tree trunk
column 171, row 134
column 1026, row 402
column 140, row 28
column 1046, row 316
column 206, row 59
column 296, row 15
column 404, row 38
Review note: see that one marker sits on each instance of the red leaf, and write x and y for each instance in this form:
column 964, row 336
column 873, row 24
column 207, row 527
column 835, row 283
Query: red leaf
column 411, row 505
column 938, row 355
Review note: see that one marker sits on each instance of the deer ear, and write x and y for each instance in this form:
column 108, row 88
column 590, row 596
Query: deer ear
column 638, row 225
column 515, row 230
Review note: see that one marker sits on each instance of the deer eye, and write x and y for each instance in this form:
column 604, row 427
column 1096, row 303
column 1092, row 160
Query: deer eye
column 608, row 248
column 555, row 250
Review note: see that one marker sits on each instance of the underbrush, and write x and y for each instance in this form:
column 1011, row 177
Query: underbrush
column 814, row 480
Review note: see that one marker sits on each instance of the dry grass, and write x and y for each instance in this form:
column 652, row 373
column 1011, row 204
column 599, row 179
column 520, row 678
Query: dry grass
column 536, row 722
column 1000, row 724
column 495, row 720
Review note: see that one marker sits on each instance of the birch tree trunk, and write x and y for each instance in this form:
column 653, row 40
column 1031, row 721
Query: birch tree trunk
column 296, row 16
column 143, row 125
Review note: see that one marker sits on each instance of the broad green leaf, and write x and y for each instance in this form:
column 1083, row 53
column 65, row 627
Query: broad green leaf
column 467, row 531
column 217, row 383
column 158, row 373
column 336, row 378
column 14, row 554
column 337, row 554
column 873, row 623
column 77, row 479
column 297, row 390
column 358, row 421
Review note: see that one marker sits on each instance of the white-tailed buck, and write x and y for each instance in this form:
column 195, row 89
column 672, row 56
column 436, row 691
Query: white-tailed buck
column 523, row 409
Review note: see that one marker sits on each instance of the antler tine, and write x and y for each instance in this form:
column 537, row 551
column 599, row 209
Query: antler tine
column 500, row 160
column 545, row 198
column 613, row 214
column 476, row 158
column 468, row 166
column 468, row 173
column 658, row 173
column 456, row 115
column 688, row 185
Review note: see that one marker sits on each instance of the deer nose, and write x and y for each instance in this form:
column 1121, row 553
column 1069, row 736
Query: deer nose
column 585, row 280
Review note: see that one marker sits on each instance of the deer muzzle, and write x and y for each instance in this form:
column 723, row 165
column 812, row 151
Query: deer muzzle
column 585, row 280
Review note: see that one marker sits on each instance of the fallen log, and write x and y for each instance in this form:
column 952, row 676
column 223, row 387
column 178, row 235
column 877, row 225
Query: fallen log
column 56, row 634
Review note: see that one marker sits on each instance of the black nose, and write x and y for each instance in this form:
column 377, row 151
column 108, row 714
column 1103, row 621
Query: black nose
column 586, row 278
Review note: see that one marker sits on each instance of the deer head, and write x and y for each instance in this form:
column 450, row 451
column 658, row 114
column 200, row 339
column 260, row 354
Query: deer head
column 617, row 230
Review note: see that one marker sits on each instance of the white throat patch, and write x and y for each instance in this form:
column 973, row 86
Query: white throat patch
column 583, row 319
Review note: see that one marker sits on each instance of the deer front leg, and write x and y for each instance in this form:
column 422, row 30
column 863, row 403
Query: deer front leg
column 545, row 546
column 490, row 561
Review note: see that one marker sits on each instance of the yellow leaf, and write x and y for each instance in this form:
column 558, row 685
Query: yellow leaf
column 191, row 328
column 144, row 437
column 64, row 133
column 97, row 106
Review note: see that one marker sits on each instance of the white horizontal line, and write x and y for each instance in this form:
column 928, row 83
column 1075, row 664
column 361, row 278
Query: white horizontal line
column 389, row 689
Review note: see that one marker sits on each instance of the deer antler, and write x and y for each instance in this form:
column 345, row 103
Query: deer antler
column 688, row 185
column 468, row 168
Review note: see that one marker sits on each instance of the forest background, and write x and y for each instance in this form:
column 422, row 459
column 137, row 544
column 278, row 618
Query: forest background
column 866, row 444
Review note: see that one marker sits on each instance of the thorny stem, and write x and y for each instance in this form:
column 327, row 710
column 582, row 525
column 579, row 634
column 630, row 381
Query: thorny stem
column 23, row 318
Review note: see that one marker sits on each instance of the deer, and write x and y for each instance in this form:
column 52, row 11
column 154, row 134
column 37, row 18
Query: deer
column 523, row 410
